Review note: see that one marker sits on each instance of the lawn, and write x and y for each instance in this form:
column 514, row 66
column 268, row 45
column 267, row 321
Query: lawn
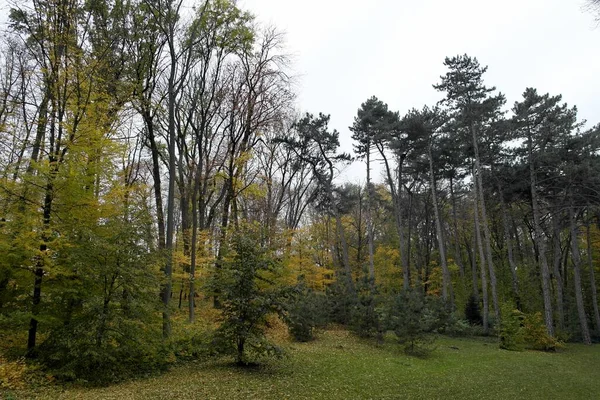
column 339, row 366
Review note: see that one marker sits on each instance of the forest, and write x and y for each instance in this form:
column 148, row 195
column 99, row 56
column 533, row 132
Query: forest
column 163, row 200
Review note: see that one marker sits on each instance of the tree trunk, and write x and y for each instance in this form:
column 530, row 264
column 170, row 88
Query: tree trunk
column 167, row 286
column 457, row 251
column 396, row 201
column 592, row 279
column 484, row 291
column 473, row 259
column 486, row 227
column 540, row 243
column 585, row 332
column 447, row 294
column 191, row 313
column 369, row 219
column 511, row 260
column 557, row 274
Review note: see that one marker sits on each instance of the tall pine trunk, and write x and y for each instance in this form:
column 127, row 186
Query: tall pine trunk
column 585, row 331
column 447, row 293
column 540, row 242
column 484, row 290
column 592, row 279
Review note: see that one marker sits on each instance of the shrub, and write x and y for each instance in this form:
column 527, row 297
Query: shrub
column 520, row 331
column 129, row 349
column 414, row 317
column 341, row 300
column 305, row 310
column 535, row 334
column 365, row 316
column 511, row 328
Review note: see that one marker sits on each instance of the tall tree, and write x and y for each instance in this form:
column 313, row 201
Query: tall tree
column 473, row 108
column 424, row 124
column 540, row 120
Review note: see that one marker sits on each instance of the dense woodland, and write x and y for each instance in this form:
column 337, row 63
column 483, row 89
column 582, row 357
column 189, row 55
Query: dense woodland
column 161, row 197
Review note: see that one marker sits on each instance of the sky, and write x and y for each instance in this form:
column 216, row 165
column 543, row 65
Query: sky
column 347, row 51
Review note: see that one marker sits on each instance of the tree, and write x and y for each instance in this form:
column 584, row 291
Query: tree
column 248, row 294
column 317, row 146
column 423, row 125
column 366, row 127
column 472, row 109
column 540, row 120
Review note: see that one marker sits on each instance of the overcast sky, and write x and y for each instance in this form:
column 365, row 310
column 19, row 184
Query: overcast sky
column 346, row 51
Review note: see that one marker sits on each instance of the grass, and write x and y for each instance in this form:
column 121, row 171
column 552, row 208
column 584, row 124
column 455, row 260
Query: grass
column 339, row 366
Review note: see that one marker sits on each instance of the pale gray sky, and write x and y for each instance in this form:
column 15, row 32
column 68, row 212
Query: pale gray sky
column 347, row 51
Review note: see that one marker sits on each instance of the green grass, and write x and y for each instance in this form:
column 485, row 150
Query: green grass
column 339, row 366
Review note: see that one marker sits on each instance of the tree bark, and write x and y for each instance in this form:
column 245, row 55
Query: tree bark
column 484, row 290
column 540, row 243
column 560, row 305
column 592, row 278
column 486, row 227
column 585, row 332
column 447, row 293
column 511, row 260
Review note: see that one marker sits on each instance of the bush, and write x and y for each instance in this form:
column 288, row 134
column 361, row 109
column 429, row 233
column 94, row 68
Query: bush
column 74, row 354
column 535, row 334
column 341, row 300
column 305, row 310
column 511, row 328
column 365, row 316
column 414, row 317
column 519, row 331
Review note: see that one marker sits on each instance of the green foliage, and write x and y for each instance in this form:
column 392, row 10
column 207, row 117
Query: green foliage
column 248, row 293
column 414, row 317
column 511, row 328
column 74, row 353
column 341, row 300
column 519, row 331
column 366, row 315
column 305, row 310
column 535, row 334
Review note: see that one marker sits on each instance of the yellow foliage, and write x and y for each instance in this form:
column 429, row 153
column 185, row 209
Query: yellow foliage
column 434, row 281
column 304, row 258
column 387, row 271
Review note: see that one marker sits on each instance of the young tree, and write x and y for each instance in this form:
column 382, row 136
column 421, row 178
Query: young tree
column 248, row 293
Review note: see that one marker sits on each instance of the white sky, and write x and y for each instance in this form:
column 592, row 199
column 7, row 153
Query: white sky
column 347, row 51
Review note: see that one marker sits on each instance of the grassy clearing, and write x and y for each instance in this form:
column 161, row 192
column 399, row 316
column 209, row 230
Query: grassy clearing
column 339, row 366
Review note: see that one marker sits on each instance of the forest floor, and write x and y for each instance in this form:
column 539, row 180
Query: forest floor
column 339, row 366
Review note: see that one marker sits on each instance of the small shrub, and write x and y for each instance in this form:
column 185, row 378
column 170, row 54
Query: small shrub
column 511, row 329
column 519, row 331
column 535, row 334
column 458, row 328
column 365, row 317
column 305, row 310
column 414, row 317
